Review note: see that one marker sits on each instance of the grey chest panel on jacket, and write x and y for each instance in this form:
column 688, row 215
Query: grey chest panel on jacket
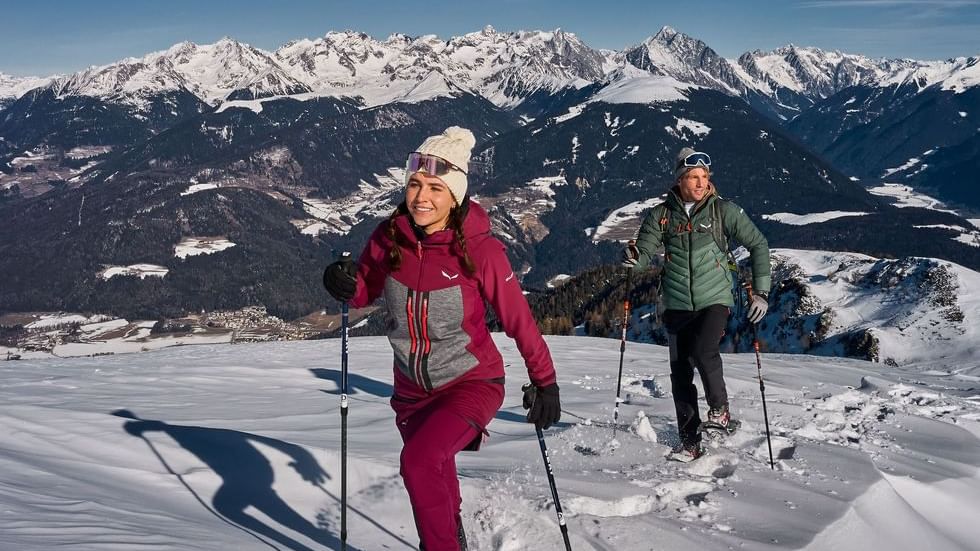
column 425, row 329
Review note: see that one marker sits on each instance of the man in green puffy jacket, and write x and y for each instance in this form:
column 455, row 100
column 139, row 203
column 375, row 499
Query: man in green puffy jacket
column 693, row 226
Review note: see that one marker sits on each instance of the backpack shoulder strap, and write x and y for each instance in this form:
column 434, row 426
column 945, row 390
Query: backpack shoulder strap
column 662, row 216
column 718, row 231
column 718, row 225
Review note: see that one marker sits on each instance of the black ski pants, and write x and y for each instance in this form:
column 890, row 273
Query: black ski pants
column 694, row 338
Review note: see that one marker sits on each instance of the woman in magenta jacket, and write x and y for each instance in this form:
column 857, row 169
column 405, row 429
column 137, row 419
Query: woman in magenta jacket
column 437, row 264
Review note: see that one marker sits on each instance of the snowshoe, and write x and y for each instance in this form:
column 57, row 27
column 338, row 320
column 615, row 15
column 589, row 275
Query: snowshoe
column 686, row 453
column 714, row 429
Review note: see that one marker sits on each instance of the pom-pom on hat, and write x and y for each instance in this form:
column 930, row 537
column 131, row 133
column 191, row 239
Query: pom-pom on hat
column 454, row 145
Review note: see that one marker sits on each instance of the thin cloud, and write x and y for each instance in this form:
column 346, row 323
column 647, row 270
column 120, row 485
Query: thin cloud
column 950, row 4
column 890, row 42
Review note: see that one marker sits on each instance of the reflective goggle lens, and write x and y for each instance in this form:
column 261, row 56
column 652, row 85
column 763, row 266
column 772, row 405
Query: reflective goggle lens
column 437, row 166
column 696, row 159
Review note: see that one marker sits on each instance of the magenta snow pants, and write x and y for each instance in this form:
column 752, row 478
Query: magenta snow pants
column 434, row 429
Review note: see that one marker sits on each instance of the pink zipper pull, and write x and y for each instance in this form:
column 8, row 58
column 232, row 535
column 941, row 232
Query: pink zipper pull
column 419, row 243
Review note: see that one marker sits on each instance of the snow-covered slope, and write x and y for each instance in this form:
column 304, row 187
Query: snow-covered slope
column 896, row 311
column 237, row 447
column 956, row 74
column 903, row 311
column 12, row 87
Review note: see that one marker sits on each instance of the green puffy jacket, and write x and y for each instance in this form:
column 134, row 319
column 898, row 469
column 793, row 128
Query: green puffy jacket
column 696, row 273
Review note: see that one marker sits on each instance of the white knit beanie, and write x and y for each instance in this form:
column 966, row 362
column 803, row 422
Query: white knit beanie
column 453, row 145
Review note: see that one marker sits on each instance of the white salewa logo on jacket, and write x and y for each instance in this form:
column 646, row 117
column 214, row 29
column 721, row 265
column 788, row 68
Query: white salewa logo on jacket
column 449, row 277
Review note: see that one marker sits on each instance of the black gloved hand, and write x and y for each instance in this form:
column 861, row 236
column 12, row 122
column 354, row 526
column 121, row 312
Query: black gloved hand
column 340, row 278
column 543, row 405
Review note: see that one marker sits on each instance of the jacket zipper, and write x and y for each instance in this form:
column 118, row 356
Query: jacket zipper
column 413, row 355
column 424, row 345
column 690, row 248
column 690, row 266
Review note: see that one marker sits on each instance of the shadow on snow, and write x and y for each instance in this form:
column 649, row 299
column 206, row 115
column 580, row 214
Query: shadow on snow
column 246, row 478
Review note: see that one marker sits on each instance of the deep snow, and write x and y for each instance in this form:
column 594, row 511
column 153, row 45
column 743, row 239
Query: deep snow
column 237, row 447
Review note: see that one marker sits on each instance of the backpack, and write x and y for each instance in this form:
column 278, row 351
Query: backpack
column 717, row 229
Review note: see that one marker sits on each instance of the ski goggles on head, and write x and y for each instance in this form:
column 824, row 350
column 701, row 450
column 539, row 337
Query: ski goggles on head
column 696, row 159
column 430, row 164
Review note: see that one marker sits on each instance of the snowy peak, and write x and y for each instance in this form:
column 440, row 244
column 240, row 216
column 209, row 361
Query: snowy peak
column 354, row 64
column 508, row 67
column 503, row 67
column 210, row 72
column 12, row 87
column 131, row 81
column 957, row 75
column 687, row 59
column 818, row 74
column 810, row 71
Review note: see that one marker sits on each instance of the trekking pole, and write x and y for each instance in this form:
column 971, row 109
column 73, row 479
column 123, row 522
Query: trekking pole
column 554, row 489
column 762, row 389
column 344, row 324
column 622, row 346
column 528, row 387
column 762, row 385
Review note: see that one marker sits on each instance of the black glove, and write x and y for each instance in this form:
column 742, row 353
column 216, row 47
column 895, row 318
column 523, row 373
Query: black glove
column 340, row 278
column 631, row 255
column 543, row 405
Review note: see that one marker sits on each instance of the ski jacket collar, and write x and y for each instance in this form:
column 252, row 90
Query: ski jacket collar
column 675, row 201
column 476, row 227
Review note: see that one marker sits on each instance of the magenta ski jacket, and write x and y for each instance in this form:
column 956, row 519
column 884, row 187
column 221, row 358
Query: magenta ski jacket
column 436, row 312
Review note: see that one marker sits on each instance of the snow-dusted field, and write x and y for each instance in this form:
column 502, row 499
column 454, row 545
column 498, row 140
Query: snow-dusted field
column 237, row 447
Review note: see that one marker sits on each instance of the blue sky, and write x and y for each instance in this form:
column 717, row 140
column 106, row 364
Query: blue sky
column 58, row 36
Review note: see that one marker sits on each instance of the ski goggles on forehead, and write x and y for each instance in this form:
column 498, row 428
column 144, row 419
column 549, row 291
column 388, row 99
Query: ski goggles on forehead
column 430, row 164
column 696, row 159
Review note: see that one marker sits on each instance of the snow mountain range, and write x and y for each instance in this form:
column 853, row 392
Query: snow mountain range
column 504, row 67
column 290, row 154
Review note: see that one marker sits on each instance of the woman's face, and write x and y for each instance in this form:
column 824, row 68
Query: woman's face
column 429, row 202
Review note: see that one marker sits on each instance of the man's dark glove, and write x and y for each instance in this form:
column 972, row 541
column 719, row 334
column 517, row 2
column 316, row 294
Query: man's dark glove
column 340, row 278
column 758, row 306
column 631, row 255
column 543, row 405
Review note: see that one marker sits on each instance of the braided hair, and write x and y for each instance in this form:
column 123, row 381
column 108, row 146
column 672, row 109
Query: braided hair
column 457, row 214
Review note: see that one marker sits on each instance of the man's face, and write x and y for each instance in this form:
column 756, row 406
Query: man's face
column 694, row 184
